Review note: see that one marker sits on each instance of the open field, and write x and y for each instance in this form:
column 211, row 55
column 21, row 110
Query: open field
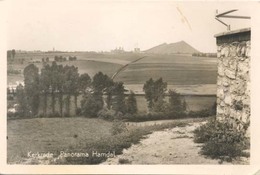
column 174, row 69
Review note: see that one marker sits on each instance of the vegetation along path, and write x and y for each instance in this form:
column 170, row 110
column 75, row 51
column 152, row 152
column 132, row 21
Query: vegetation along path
column 170, row 146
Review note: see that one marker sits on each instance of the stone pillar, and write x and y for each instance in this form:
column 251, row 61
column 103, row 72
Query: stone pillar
column 233, row 82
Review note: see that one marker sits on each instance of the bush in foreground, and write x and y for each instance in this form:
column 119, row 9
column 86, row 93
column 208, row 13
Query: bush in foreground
column 221, row 140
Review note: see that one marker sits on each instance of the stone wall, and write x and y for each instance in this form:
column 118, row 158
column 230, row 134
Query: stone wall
column 233, row 82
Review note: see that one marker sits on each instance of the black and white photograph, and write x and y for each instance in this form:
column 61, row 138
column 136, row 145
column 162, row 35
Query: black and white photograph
column 128, row 82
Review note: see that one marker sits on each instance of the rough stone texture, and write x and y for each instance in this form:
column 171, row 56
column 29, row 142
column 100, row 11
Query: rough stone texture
column 233, row 83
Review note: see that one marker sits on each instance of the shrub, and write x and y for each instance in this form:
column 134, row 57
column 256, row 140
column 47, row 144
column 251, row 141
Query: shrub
column 118, row 127
column 107, row 114
column 221, row 139
column 203, row 133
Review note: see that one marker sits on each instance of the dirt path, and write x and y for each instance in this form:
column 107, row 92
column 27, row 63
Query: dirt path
column 171, row 146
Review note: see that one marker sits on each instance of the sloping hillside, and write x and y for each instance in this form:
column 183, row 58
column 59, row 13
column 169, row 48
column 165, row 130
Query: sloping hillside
column 179, row 47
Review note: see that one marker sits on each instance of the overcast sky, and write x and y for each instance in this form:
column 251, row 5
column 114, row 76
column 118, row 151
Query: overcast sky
column 77, row 25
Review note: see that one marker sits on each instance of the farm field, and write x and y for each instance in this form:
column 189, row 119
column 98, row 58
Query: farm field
column 174, row 69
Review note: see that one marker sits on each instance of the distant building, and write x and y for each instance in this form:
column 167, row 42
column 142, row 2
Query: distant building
column 118, row 50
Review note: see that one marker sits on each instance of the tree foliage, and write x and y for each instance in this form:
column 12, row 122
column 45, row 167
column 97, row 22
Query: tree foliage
column 84, row 82
column 60, row 87
column 22, row 108
column 118, row 97
column 91, row 104
column 154, row 91
column 45, row 84
column 101, row 82
column 176, row 103
column 131, row 104
column 70, row 84
column 31, row 87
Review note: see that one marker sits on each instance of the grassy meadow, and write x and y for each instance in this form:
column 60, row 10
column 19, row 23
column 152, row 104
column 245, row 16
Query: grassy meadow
column 52, row 134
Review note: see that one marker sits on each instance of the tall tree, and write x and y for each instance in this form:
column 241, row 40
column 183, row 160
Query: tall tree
column 154, row 90
column 176, row 102
column 102, row 83
column 45, row 83
column 23, row 108
column 84, row 82
column 118, row 97
column 71, row 84
column 31, row 87
column 54, row 76
column 131, row 104
column 148, row 88
column 61, row 86
column 160, row 89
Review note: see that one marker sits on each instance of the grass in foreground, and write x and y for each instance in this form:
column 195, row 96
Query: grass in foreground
column 51, row 135
column 124, row 140
column 71, row 135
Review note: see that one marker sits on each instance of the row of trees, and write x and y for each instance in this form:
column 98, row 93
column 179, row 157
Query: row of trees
column 61, row 83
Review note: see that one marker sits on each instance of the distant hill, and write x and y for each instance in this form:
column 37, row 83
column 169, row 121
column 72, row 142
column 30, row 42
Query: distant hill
column 180, row 47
